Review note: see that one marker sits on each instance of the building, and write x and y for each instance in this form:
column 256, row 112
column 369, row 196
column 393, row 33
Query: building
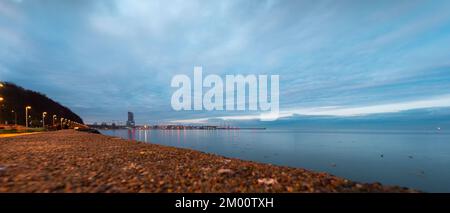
column 130, row 121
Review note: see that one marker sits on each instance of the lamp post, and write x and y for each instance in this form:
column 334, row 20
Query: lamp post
column 26, row 115
column 1, row 98
column 15, row 117
column 54, row 118
column 1, row 85
column 43, row 119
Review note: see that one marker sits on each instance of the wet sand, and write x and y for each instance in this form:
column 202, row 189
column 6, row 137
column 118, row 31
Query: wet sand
column 72, row 161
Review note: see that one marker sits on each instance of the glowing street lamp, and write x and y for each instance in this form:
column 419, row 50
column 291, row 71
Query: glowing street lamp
column 43, row 119
column 26, row 115
column 54, row 118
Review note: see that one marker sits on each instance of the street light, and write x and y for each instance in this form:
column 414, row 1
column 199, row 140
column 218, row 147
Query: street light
column 1, row 98
column 15, row 117
column 26, row 115
column 54, row 118
column 43, row 119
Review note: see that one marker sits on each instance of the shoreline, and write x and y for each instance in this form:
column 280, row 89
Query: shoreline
column 74, row 161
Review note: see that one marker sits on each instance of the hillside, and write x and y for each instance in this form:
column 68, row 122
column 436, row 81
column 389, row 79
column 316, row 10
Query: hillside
column 17, row 98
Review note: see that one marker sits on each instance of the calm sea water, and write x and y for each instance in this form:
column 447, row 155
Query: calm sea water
column 417, row 160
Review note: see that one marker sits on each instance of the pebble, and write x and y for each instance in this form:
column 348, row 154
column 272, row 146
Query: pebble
column 225, row 171
column 267, row 181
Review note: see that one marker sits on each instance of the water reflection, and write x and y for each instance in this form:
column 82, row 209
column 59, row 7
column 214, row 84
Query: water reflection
column 131, row 134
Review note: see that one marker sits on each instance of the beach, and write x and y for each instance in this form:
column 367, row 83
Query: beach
column 73, row 161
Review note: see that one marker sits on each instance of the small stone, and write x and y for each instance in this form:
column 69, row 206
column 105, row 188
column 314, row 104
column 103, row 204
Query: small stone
column 205, row 169
column 267, row 181
column 289, row 189
column 225, row 171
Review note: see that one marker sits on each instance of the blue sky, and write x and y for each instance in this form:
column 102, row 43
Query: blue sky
column 102, row 58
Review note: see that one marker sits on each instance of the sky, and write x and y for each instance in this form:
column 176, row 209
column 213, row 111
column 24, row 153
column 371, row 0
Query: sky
column 102, row 58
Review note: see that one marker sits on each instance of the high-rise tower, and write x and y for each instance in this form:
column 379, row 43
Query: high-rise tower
column 130, row 121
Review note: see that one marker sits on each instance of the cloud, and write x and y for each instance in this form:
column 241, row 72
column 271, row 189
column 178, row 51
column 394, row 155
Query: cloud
column 435, row 102
column 103, row 58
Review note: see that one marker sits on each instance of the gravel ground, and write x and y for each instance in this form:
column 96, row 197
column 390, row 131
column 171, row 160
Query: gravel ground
column 71, row 161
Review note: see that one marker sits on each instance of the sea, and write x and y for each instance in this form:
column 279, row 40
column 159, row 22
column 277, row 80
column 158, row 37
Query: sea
column 420, row 160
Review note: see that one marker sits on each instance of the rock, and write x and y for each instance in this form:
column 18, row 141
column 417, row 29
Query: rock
column 267, row 181
column 225, row 171
column 289, row 189
column 205, row 169
column 2, row 170
column 226, row 161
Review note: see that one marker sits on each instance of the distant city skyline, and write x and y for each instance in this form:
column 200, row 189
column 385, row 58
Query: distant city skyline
column 335, row 58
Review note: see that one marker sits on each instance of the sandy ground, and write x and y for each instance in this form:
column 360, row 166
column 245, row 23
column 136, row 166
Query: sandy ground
column 71, row 161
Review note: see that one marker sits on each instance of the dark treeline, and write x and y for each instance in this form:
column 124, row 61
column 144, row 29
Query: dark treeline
column 17, row 98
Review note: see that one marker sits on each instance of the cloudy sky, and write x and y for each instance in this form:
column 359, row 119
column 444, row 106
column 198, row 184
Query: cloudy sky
column 102, row 58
